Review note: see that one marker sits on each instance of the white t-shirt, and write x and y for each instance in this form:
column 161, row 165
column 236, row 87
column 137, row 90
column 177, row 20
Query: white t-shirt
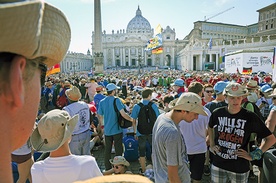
column 82, row 109
column 194, row 133
column 66, row 169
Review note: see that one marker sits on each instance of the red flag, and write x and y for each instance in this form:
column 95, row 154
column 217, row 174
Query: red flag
column 53, row 70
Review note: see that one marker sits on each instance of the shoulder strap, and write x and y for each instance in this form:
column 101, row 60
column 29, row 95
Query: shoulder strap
column 245, row 104
column 140, row 104
column 150, row 103
column 115, row 106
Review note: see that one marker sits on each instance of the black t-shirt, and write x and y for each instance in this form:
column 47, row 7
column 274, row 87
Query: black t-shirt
column 214, row 105
column 231, row 132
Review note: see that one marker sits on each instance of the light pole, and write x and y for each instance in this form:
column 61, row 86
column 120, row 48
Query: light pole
column 74, row 65
column 139, row 59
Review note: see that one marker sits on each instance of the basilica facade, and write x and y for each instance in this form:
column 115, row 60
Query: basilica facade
column 125, row 47
column 202, row 49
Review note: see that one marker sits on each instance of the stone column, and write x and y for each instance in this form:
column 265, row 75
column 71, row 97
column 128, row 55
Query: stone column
column 98, row 52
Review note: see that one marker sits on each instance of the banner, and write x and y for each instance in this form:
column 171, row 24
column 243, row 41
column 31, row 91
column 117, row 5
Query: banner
column 210, row 44
column 53, row 70
column 155, row 44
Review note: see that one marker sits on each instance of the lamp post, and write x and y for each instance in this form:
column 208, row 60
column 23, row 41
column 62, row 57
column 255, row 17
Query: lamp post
column 139, row 59
column 74, row 65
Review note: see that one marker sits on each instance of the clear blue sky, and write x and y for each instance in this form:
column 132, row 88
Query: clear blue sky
column 178, row 14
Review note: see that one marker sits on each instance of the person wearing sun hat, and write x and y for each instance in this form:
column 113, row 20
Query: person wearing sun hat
column 168, row 148
column 265, row 101
column 271, row 119
column 120, row 166
column 52, row 134
column 80, row 142
column 229, row 131
column 273, row 98
column 253, row 88
column 34, row 36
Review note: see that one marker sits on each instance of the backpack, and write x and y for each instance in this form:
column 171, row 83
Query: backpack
column 256, row 109
column 122, row 122
column 62, row 100
column 130, row 148
column 146, row 118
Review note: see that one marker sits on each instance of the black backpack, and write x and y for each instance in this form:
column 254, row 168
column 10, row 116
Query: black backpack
column 122, row 122
column 146, row 118
column 256, row 109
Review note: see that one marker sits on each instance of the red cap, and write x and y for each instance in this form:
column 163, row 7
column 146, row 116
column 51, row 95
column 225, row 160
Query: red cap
column 92, row 108
column 267, row 79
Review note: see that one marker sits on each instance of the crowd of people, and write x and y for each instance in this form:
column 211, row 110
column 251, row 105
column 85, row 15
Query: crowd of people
column 195, row 123
column 203, row 112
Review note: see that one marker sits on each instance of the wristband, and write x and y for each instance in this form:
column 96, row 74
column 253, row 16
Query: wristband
column 256, row 154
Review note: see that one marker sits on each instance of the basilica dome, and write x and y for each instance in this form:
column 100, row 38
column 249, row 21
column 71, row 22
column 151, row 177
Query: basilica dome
column 138, row 24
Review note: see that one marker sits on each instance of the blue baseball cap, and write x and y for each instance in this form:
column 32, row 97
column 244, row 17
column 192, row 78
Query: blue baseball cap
column 266, row 88
column 178, row 82
column 219, row 87
column 111, row 86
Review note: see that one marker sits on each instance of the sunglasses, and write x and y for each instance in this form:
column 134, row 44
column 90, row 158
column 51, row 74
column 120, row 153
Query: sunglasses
column 43, row 68
column 117, row 166
column 209, row 91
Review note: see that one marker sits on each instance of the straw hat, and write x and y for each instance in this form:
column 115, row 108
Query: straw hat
column 273, row 93
column 252, row 84
column 235, row 90
column 119, row 160
column 189, row 102
column 48, row 83
column 34, row 29
column 83, row 81
column 53, row 130
column 73, row 94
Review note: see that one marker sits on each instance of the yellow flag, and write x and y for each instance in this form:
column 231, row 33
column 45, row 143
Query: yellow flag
column 158, row 29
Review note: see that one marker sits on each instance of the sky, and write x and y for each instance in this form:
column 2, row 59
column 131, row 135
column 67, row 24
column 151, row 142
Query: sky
column 178, row 14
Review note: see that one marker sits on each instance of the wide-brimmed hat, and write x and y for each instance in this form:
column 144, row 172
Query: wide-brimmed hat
column 73, row 94
column 252, row 85
column 119, row 160
column 273, row 93
column 53, row 130
column 34, row 29
column 48, row 83
column 83, row 80
column 189, row 102
column 178, row 82
column 235, row 90
column 67, row 83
